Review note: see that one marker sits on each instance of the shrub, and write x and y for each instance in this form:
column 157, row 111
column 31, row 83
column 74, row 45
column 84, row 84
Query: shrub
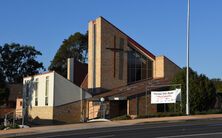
column 211, row 111
column 123, row 117
column 162, row 114
column 202, row 92
column 2, row 127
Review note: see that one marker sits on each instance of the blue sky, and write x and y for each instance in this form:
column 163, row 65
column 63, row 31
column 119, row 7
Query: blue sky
column 158, row 25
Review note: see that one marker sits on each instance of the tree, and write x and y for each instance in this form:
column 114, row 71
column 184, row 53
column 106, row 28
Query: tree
column 218, row 84
column 202, row 92
column 76, row 46
column 4, row 91
column 18, row 61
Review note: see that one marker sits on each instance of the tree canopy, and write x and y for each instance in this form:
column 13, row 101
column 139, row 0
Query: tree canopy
column 17, row 61
column 4, row 92
column 76, row 46
column 218, row 84
column 202, row 92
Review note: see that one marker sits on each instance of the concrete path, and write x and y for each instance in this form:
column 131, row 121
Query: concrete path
column 69, row 127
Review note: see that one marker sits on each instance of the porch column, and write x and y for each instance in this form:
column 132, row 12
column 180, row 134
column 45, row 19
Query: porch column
column 128, row 107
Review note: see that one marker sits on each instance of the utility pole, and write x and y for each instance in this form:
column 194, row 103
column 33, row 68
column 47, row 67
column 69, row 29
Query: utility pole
column 81, row 98
column 188, row 54
column 23, row 105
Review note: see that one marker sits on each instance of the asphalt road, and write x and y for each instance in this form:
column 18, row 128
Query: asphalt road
column 194, row 129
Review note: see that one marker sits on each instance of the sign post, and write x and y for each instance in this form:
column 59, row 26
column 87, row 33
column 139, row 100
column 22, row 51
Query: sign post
column 103, row 107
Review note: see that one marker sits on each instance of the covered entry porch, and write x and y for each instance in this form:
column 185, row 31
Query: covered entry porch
column 109, row 108
column 117, row 106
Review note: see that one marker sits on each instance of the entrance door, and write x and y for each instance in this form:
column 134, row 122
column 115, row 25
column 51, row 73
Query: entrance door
column 118, row 108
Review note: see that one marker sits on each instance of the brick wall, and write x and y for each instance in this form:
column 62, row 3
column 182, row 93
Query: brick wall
column 109, row 67
column 68, row 113
column 94, row 28
column 152, row 108
column 165, row 68
column 170, row 68
column 111, row 64
column 18, row 109
column 80, row 72
column 142, row 105
column 138, row 105
column 133, row 106
column 93, row 109
column 159, row 67
column 118, row 108
column 43, row 112
column 107, row 61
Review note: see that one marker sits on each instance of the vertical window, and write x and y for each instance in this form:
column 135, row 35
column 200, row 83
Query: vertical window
column 150, row 69
column 121, row 56
column 143, row 68
column 114, row 57
column 46, row 90
column 36, row 91
column 139, row 67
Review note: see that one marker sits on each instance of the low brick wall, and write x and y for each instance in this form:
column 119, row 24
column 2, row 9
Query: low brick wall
column 94, row 109
column 41, row 113
column 68, row 113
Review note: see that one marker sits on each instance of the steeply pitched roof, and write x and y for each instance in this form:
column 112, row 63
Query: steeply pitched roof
column 135, row 44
